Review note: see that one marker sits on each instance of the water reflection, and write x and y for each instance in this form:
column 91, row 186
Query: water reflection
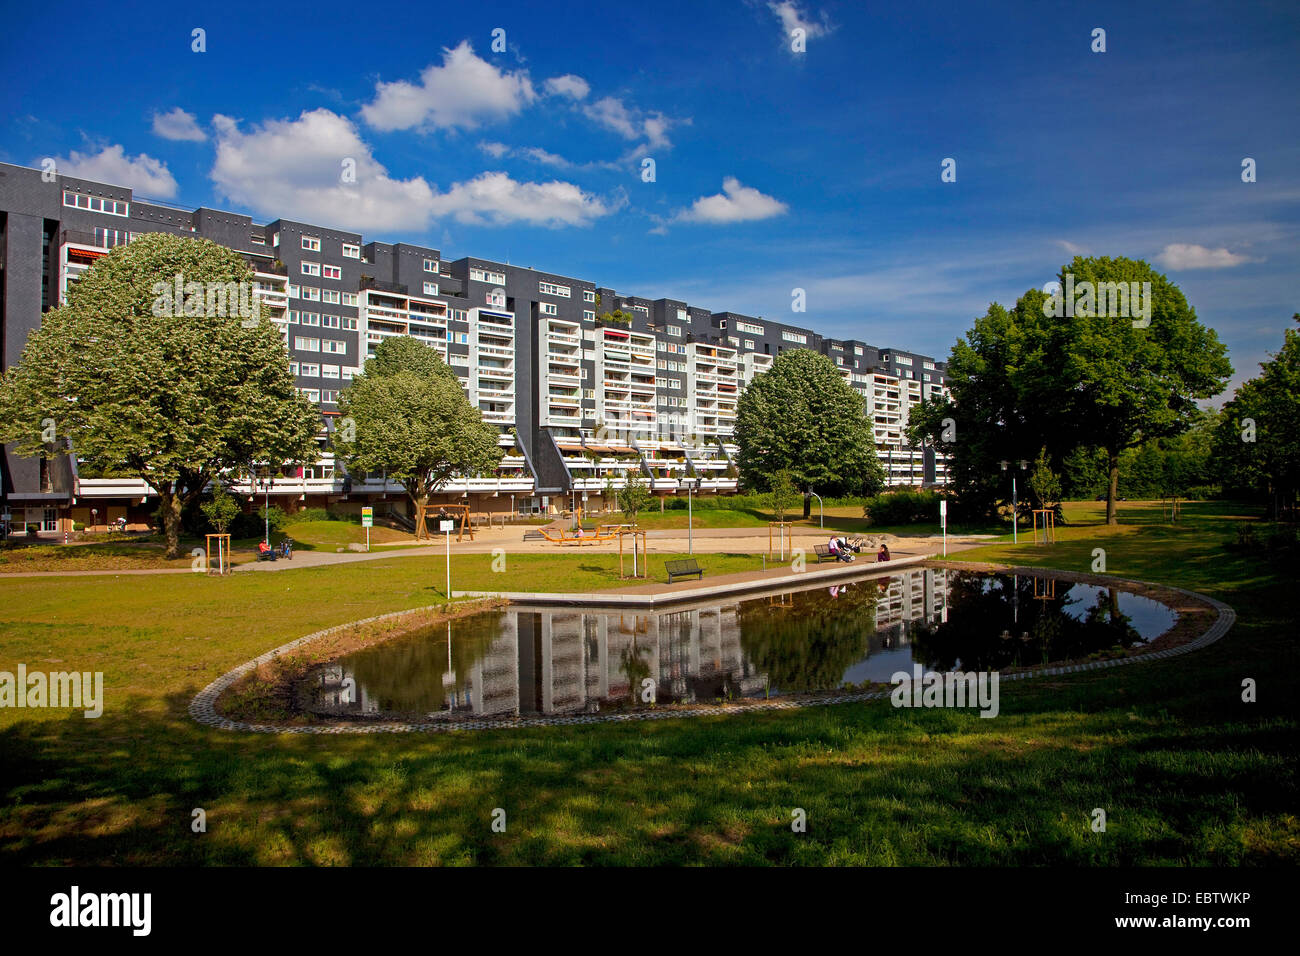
column 522, row 661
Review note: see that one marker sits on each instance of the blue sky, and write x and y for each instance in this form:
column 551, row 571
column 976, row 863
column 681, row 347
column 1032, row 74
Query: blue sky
column 773, row 169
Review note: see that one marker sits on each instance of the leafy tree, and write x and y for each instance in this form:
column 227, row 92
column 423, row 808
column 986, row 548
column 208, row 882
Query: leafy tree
column 1257, row 443
column 783, row 493
column 1023, row 379
column 411, row 418
column 1115, row 383
column 174, row 392
column 1045, row 484
column 803, row 417
column 634, row 497
column 221, row 510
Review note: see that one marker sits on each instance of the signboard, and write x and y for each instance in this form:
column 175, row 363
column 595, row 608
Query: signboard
column 367, row 517
column 943, row 507
column 447, row 526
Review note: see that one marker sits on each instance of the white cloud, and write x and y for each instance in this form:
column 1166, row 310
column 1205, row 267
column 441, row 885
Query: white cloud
column 496, row 199
column 1070, row 247
column 569, row 85
column 495, row 150
column 736, row 203
column 629, row 122
column 793, row 18
column 465, row 91
column 142, row 173
column 292, row 168
column 176, row 124
column 1179, row 256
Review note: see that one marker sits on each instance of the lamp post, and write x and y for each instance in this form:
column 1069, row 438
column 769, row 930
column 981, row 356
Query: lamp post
column 821, row 511
column 266, row 505
column 1015, row 504
column 691, row 488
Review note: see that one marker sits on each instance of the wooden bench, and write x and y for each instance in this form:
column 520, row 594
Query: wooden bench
column 534, row 536
column 683, row 569
column 824, row 553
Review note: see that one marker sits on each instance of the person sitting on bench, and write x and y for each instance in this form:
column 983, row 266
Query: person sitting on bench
column 838, row 551
column 883, row 553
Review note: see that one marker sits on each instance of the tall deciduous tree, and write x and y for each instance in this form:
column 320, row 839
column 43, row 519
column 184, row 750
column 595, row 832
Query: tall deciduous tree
column 173, row 388
column 803, row 417
column 1026, row 378
column 1257, row 443
column 408, row 415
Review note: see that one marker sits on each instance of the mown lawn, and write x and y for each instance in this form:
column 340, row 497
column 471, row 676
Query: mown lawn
column 1186, row 772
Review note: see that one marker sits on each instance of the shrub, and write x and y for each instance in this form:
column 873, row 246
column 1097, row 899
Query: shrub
column 78, row 526
column 902, row 507
column 253, row 525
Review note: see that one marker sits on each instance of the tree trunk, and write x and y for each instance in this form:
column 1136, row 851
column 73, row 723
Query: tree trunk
column 170, row 512
column 807, row 506
column 1112, row 488
column 421, row 506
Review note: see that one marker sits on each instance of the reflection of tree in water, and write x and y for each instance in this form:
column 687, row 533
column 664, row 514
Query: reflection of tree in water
column 405, row 673
column 809, row 643
column 983, row 634
column 634, row 667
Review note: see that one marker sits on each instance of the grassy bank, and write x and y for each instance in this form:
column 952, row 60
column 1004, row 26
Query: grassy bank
column 1187, row 773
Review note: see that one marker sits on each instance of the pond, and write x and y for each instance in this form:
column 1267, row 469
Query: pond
column 521, row 661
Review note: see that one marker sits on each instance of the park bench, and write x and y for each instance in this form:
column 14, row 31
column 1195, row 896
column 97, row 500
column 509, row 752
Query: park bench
column 824, row 553
column 534, row 536
column 683, row 569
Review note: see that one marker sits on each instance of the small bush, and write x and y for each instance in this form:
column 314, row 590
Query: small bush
column 78, row 526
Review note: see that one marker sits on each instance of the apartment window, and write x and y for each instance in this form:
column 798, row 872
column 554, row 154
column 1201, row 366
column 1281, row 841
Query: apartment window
column 431, row 288
column 583, row 372
column 588, row 295
column 293, row 368
column 550, row 288
column 857, row 350
column 114, row 207
column 588, row 315
column 331, row 321
column 330, row 396
column 663, row 364
column 796, row 337
column 351, row 251
column 430, row 265
column 661, row 346
column 332, row 272
column 749, row 343
column 329, row 371
column 311, row 268
column 331, row 296
column 311, row 244
column 749, row 327
column 333, row 345
column 311, row 292
column 308, row 370
column 682, row 316
column 350, row 298
column 311, row 394
column 306, row 345
column 309, row 318
column 588, row 393
column 483, row 275
column 348, row 373
column 902, row 360
column 675, row 330
column 293, row 291
column 257, row 240
column 548, row 308
column 642, row 309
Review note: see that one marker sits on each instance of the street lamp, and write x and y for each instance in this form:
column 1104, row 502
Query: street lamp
column 1015, row 504
column 691, row 488
column 821, row 511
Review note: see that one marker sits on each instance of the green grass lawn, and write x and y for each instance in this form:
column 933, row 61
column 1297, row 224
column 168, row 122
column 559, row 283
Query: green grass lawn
column 1187, row 773
column 842, row 519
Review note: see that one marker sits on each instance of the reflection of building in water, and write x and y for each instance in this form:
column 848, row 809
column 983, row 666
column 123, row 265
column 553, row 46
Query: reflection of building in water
column 340, row 690
column 920, row 594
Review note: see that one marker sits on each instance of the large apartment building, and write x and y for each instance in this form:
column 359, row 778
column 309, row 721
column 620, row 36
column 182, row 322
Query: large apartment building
column 578, row 401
